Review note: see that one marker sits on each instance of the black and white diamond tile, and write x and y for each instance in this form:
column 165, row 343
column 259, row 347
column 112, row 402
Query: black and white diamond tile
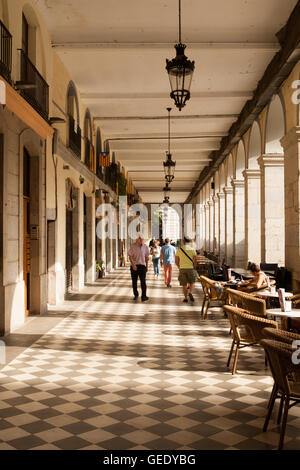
column 115, row 374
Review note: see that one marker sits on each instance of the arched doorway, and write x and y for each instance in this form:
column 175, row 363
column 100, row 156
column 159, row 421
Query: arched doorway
column 272, row 186
column 252, row 197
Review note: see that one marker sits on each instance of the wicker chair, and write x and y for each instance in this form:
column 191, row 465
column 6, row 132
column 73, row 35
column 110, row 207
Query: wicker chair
column 281, row 335
column 247, row 330
column 210, row 294
column 247, row 302
column 294, row 323
column 286, row 375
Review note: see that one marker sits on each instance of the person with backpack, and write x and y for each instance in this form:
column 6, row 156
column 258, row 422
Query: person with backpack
column 185, row 260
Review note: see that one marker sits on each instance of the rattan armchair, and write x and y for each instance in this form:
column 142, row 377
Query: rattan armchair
column 247, row 302
column 247, row 330
column 210, row 294
column 286, row 375
column 281, row 335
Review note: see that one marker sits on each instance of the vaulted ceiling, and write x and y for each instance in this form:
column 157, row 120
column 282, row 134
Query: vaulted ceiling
column 115, row 51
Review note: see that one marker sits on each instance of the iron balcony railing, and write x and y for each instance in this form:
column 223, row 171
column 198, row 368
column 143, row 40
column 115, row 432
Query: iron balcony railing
column 33, row 87
column 99, row 169
column 89, row 155
column 5, row 52
column 74, row 137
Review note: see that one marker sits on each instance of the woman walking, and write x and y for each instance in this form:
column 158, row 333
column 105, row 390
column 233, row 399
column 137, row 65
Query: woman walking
column 155, row 251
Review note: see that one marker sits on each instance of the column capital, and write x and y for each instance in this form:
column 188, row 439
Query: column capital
column 271, row 160
column 291, row 138
column 237, row 183
column 210, row 203
column 251, row 174
column 228, row 190
column 221, row 196
column 215, row 198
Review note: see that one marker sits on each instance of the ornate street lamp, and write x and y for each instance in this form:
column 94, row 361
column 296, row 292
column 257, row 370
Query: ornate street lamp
column 180, row 71
column 166, row 191
column 169, row 165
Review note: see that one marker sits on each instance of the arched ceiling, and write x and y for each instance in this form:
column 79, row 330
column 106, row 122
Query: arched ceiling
column 115, row 52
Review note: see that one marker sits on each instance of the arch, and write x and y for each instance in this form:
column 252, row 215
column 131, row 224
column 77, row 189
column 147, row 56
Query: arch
column 240, row 162
column 275, row 125
column 254, row 148
column 222, row 177
column 73, row 103
column 88, row 128
column 229, row 169
column 98, row 142
column 4, row 13
column 216, row 180
column 37, row 53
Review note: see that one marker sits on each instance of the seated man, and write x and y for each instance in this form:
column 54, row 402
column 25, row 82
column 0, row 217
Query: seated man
column 258, row 281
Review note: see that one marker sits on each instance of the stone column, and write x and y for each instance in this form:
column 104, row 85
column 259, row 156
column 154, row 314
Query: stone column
column 114, row 243
column 215, row 247
column 90, row 268
column 78, row 258
column 272, row 208
column 206, row 229
column 202, row 227
column 291, row 146
column 211, row 225
column 252, row 215
column 221, row 231
column 238, row 223
column 228, row 192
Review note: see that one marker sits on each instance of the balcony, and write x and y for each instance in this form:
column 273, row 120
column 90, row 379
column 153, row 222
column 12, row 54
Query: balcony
column 74, row 137
column 33, row 87
column 99, row 169
column 5, row 53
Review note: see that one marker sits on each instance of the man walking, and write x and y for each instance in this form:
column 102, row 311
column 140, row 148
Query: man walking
column 168, row 258
column 139, row 257
column 185, row 260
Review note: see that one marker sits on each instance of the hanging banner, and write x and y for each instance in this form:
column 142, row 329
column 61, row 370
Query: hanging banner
column 104, row 159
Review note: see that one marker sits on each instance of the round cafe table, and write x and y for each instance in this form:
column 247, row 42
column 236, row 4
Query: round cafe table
column 267, row 293
column 276, row 312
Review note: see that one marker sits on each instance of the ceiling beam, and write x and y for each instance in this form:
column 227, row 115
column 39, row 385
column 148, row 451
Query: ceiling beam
column 209, row 46
column 162, row 96
column 156, row 118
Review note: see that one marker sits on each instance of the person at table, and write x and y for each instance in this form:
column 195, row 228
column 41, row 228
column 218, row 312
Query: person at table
column 259, row 279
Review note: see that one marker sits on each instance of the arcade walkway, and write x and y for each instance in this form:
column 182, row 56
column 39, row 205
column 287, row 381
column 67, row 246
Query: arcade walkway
column 112, row 374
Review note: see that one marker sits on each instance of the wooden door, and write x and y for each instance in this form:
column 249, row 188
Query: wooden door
column 26, row 252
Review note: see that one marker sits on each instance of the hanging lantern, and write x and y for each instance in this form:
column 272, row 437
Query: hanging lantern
column 169, row 164
column 166, row 191
column 180, row 71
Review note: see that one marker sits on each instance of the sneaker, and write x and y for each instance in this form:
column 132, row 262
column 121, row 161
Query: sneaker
column 191, row 297
column 185, row 301
column 170, row 285
column 145, row 298
column 135, row 297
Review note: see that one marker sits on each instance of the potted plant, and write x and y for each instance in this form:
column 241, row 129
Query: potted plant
column 100, row 269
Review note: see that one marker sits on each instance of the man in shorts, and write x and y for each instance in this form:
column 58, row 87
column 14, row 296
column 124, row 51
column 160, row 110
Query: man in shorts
column 185, row 260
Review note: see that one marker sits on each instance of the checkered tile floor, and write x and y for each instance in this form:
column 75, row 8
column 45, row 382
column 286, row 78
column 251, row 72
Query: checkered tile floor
column 115, row 374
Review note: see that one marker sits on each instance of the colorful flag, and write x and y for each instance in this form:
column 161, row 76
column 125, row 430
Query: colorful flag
column 104, row 159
